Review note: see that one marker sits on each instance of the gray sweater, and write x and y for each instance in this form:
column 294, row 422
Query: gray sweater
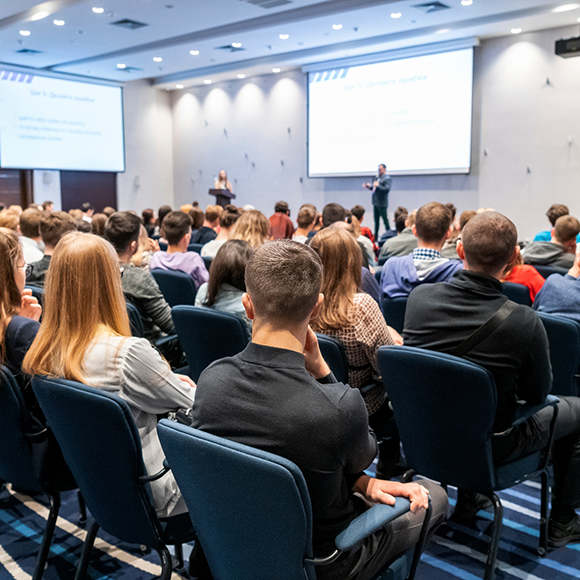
column 547, row 254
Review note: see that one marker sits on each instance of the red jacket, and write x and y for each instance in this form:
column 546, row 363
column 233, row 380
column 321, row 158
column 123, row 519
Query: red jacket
column 281, row 227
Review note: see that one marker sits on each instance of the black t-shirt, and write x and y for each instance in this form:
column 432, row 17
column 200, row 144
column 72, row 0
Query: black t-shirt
column 202, row 236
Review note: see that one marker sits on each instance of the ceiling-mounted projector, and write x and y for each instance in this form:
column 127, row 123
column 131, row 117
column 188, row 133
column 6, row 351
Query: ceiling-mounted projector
column 568, row 47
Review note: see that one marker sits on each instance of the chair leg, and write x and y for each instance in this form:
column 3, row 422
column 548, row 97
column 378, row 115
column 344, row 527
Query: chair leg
column 543, row 546
column 495, row 533
column 54, row 500
column 82, row 510
column 421, row 543
column 86, row 553
column 179, row 555
column 166, row 563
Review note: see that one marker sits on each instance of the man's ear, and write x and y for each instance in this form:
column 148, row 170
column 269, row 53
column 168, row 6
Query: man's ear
column 460, row 250
column 248, row 305
column 133, row 246
column 317, row 307
column 513, row 259
column 414, row 228
column 552, row 232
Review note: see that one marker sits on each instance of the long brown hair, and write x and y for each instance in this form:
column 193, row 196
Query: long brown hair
column 10, row 300
column 83, row 293
column 252, row 227
column 341, row 277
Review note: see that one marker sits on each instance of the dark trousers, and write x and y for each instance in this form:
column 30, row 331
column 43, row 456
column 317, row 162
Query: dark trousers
column 533, row 435
column 380, row 212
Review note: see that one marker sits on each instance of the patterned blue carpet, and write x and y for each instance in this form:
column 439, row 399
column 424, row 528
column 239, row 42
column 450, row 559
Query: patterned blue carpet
column 456, row 551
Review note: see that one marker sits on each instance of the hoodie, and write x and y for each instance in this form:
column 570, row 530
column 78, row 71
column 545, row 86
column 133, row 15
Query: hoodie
column 402, row 274
column 547, row 254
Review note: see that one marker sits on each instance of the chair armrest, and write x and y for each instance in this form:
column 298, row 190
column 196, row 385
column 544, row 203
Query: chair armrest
column 526, row 411
column 161, row 341
column 158, row 475
column 370, row 521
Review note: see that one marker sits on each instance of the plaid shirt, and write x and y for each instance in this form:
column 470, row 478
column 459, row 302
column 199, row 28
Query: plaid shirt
column 426, row 254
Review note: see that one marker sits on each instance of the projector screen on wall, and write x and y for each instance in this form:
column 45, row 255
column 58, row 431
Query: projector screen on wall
column 50, row 123
column 412, row 114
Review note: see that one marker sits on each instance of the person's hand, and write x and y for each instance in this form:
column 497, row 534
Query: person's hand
column 376, row 184
column 153, row 245
column 313, row 360
column 366, row 185
column 29, row 306
column 381, row 491
column 397, row 338
column 187, row 380
column 575, row 269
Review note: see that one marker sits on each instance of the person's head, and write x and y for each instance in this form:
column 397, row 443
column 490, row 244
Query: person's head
column 283, row 280
column 76, row 214
column 341, row 258
column 98, row 224
column 557, row 210
column 400, row 221
column 186, row 208
column 352, row 225
column 148, row 216
column 382, row 169
column 228, row 267
column 432, row 223
column 565, row 231
column 332, row 212
column 17, row 209
column 488, row 244
column 452, row 209
column 410, row 221
column 109, row 211
column 400, row 210
column 281, row 206
column 122, row 230
column 212, row 215
column 10, row 220
column 54, row 226
column 197, row 216
column 309, row 205
column 229, row 217
column 163, row 211
column 358, row 211
column 252, row 226
column 82, row 294
column 465, row 217
column 223, row 176
column 306, row 218
column 177, row 228
column 87, row 209
column 142, row 246
column 83, row 226
column 48, row 206
column 30, row 223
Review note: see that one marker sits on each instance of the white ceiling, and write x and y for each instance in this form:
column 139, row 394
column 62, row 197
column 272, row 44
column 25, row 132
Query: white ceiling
column 89, row 45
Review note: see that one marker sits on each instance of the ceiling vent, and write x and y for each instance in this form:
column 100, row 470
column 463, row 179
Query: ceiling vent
column 429, row 7
column 128, row 23
column 268, row 3
column 230, row 48
column 28, row 51
column 128, row 69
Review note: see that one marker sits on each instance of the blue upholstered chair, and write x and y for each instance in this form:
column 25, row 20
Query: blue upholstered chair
column 135, row 320
column 195, row 248
column 518, row 293
column 394, row 311
column 564, row 338
column 445, row 408
column 333, row 353
column 176, row 287
column 546, row 271
column 207, row 261
column 207, row 335
column 162, row 245
column 101, row 445
column 252, row 512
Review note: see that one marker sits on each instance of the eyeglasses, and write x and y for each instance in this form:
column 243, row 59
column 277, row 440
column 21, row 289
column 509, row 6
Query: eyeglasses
column 27, row 269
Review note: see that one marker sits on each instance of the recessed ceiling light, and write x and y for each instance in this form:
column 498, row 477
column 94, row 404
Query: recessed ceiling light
column 40, row 15
column 179, row 86
column 283, row 36
column 466, row 2
column 337, row 26
column 98, row 10
column 194, row 52
column 207, row 82
column 396, row 15
column 121, row 65
column 25, row 32
column 516, row 30
column 241, row 76
column 157, row 59
column 276, row 69
column 236, row 44
column 442, row 31
column 59, row 22
column 566, row 7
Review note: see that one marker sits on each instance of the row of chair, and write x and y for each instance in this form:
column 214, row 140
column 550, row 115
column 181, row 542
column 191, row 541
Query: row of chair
column 191, row 248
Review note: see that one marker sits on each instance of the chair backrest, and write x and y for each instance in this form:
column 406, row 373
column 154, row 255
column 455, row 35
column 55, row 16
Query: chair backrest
column 394, row 311
column 176, row 287
column 518, row 293
column 445, row 408
column 251, row 509
column 564, row 338
column 333, row 353
column 162, row 245
column 207, row 335
column 135, row 320
column 16, row 462
column 546, row 271
column 378, row 273
column 207, row 261
column 100, row 443
column 194, row 248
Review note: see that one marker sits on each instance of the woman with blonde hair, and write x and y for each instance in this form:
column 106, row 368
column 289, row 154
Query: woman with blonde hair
column 85, row 337
column 355, row 319
column 252, row 227
column 222, row 181
column 145, row 250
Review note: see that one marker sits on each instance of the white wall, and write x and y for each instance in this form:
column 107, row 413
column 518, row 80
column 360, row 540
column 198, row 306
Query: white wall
column 250, row 127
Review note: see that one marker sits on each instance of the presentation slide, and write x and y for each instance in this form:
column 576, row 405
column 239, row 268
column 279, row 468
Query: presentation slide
column 412, row 114
column 49, row 123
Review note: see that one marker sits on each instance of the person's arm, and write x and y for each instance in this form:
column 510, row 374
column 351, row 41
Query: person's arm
column 154, row 304
column 381, row 491
column 198, row 271
column 21, row 340
column 313, row 360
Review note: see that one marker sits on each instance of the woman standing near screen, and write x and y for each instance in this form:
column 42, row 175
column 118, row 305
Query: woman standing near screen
column 222, row 181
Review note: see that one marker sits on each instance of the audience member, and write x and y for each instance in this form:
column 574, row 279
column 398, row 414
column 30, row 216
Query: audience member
column 252, row 226
column 197, row 216
column 109, row 211
column 331, row 213
column 186, row 208
column 228, row 219
column 163, row 211
column 556, row 210
column 281, row 227
column 10, row 219
column 48, row 206
column 52, row 228
column 207, row 231
column 88, row 212
column 17, row 209
column 404, row 242
column 76, row 214
column 525, row 275
column 148, row 217
column 94, row 346
column 227, row 284
column 84, row 226
column 30, row 239
column 145, row 250
column 559, row 251
column 359, row 211
column 98, row 224
column 177, row 230
column 449, row 249
column 425, row 264
column 279, row 395
column 305, row 220
column 364, row 242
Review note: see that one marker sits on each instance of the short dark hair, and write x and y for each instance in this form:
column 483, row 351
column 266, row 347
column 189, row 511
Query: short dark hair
column 86, row 207
column 148, row 215
column 557, row 210
column 46, row 204
column 400, row 222
column 98, row 224
column 566, row 229
column 332, row 212
column 176, row 224
column 358, row 211
column 163, row 211
column 382, row 165
column 283, row 279
column 489, row 239
column 197, row 217
column 109, row 211
column 281, row 206
column 121, row 229
column 229, row 216
column 30, row 222
column 452, row 209
column 55, row 225
column 432, row 221
column 465, row 217
column 401, row 210
column 306, row 217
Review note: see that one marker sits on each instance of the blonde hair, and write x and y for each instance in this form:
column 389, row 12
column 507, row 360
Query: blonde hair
column 341, row 277
column 9, row 219
column 252, row 227
column 83, row 292
column 143, row 241
column 10, row 300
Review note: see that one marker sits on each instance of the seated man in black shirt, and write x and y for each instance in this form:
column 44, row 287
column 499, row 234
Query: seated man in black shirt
column 441, row 316
column 280, row 396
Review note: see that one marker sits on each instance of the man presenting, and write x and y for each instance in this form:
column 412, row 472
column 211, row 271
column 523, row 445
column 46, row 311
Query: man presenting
column 380, row 188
